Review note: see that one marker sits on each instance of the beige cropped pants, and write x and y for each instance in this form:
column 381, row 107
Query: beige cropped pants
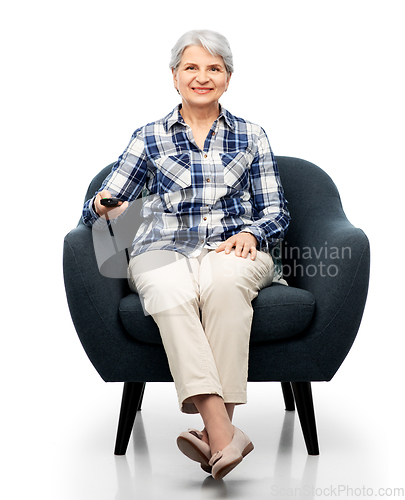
column 202, row 306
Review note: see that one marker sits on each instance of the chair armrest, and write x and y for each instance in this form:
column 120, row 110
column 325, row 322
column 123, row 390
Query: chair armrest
column 335, row 269
column 93, row 302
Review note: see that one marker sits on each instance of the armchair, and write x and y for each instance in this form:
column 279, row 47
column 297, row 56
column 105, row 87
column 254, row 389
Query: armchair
column 301, row 333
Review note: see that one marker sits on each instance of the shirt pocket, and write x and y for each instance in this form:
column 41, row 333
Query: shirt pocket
column 173, row 172
column 236, row 169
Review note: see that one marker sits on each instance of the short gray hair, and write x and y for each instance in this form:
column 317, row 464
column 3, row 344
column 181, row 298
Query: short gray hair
column 214, row 42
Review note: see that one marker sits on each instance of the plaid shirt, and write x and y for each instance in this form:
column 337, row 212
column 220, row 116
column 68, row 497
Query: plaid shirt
column 195, row 199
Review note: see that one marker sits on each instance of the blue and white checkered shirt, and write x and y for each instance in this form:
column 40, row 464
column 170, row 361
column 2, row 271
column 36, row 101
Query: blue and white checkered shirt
column 194, row 199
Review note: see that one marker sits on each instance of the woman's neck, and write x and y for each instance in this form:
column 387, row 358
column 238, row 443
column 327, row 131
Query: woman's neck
column 200, row 117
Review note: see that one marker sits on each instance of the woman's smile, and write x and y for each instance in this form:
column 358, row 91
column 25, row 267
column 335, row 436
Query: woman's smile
column 201, row 90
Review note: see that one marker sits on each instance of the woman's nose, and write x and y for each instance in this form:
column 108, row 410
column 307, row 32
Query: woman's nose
column 202, row 77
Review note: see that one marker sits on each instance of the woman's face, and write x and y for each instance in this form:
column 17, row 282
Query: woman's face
column 201, row 78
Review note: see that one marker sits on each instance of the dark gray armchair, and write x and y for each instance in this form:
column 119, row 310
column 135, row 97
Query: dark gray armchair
column 301, row 333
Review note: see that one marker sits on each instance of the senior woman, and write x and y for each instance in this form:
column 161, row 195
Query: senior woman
column 213, row 208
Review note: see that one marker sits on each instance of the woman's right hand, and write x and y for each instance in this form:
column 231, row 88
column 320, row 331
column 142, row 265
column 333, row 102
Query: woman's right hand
column 108, row 212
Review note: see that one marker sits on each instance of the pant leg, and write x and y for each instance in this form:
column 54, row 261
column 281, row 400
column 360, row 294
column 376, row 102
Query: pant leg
column 228, row 284
column 167, row 285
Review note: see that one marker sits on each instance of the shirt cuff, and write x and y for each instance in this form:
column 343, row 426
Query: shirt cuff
column 92, row 210
column 263, row 243
column 97, row 221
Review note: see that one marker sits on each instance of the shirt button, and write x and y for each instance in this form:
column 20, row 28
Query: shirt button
column 213, row 133
column 205, row 218
column 205, row 156
column 208, row 180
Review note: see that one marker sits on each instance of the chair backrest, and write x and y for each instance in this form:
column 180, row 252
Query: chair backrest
column 310, row 192
column 313, row 201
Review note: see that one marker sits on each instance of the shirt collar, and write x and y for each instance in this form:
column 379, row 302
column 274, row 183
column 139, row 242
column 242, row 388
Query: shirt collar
column 175, row 117
column 229, row 118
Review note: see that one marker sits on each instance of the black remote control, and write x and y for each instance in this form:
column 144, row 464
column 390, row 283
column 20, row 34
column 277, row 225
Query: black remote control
column 110, row 202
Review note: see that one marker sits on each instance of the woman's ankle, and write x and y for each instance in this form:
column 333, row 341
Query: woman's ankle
column 220, row 437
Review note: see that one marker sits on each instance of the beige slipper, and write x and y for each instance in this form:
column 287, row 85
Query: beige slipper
column 224, row 461
column 191, row 444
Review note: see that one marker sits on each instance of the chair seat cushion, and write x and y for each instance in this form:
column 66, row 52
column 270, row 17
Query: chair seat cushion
column 279, row 312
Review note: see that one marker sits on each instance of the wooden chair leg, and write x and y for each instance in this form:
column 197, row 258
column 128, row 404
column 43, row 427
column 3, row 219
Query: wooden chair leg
column 131, row 402
column 288, row 396
column 305, row 406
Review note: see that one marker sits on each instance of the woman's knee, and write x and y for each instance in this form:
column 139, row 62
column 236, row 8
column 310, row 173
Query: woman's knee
column 222, row 273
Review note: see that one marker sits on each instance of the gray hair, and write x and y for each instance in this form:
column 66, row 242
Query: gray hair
column 214, row 42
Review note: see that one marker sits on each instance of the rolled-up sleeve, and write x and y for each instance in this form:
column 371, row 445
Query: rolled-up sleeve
column 270, row 206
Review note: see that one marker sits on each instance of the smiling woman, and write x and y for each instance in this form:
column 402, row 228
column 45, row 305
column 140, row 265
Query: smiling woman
column 213, row 198
column 201, row 78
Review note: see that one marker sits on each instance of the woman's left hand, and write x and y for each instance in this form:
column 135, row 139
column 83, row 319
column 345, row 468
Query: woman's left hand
column 244, row 243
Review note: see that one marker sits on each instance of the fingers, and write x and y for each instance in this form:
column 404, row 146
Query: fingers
column 244, row 243
column 243, row 250
column 108, row 212
column 253, row 253
column 226, row 246
column 100, row 209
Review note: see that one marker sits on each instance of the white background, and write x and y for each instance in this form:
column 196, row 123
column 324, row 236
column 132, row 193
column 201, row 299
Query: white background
column 324, row 78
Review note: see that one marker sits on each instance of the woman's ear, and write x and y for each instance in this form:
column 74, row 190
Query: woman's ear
column 227, row 81
column 174, row 73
